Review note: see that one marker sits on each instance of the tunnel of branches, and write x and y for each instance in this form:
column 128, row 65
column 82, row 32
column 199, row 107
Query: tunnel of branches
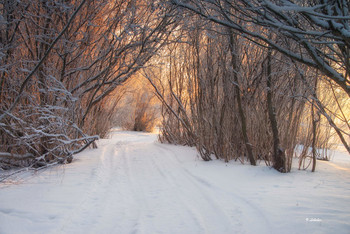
column 238, row 80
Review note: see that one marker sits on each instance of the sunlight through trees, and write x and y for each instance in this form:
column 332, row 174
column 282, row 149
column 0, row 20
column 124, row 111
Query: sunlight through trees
column 256, row 81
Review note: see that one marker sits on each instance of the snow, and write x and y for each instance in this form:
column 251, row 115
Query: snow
column 133, row 184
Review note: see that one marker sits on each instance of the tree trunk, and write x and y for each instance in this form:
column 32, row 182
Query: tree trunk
column 279, row 160
column 239, row 101
column 314, row 130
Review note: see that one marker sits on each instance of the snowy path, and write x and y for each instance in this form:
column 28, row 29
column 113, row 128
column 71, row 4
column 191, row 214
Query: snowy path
column 140, row 187
column 132, row 184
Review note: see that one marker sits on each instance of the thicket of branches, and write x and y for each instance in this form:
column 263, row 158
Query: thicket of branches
column 240, row 87
column 219, row 88
column 320, row 29
column 60, row 65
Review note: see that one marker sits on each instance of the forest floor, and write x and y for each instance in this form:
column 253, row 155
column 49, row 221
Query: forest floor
column 133, row 184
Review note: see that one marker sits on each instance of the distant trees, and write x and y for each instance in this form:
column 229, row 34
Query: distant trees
column 139, row 108
column 59, row 61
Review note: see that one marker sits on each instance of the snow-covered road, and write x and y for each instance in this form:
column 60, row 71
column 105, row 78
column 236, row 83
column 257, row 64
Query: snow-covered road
column 132, row 184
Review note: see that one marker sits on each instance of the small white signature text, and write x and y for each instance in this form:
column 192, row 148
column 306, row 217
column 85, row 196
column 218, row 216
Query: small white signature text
column 313, row 220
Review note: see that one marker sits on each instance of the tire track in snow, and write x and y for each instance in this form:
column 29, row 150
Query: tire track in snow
column 187, row 210
column 118, row 210
column 136, row 211
column 208, row 188
column 99, row 180
column 201, row 199
column 156, row 195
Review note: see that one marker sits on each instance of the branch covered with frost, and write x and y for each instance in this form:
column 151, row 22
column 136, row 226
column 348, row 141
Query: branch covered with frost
column 320, row 28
